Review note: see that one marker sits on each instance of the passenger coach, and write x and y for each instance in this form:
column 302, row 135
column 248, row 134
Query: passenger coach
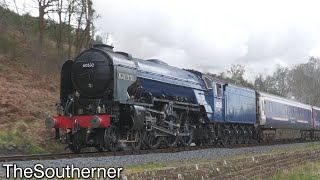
column 281, row 118
column 316, row 122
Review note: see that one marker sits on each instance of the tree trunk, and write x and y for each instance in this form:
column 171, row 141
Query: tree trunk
column 41, row 23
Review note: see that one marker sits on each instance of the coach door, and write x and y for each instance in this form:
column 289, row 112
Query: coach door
column 218, row 102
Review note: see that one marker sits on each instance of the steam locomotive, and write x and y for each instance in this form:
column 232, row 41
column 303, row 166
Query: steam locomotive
column 108, row 98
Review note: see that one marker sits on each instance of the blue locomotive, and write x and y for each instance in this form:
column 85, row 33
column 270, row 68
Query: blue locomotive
column 109, row 97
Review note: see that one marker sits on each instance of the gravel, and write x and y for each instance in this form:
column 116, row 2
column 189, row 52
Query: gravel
column 116, row 161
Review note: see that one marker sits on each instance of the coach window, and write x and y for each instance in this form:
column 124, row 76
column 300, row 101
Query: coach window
column 270, row 107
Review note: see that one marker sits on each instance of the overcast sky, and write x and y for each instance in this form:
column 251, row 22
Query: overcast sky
column 212, row 35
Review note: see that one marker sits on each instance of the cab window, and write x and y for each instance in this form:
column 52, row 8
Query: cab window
column 207, row 81
column 218, row 90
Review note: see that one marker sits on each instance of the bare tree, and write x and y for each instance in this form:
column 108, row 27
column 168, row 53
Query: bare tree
column 237, row 72
column 3, row 21
column 277, row 83
column 21, row 20
column 59, row 28
column 259, row 83
column 85, row 27
column 280, row 78
column 3, row 3
column 305, row 83
column 89, row 30
column 70, row 12
column 301, row 82
column 43, row 8
column 80, row 13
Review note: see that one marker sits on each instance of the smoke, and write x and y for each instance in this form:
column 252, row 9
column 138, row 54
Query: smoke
column 212, row 35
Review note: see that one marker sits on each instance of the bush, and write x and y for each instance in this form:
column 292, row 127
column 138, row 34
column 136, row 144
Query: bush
column 9, row 47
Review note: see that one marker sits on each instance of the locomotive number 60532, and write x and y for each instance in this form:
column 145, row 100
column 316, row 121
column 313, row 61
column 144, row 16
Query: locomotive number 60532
column 88, row 65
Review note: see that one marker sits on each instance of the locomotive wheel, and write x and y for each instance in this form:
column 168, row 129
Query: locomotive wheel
column 262, row 138
column 206, row 141
column 232, row 141
column 187, row 140
column 172, row 141
column 232, row 136
column 75, row 149
column 198, row 142
column 240, row 136
column 138, row 138
column 111, row 138
column 240, row 140
column 72, row 139
column 246, row 139
column 246, row 135
column 99, row 149
column 202, row 142
column 144, row 139
column 225, row 139
column 153, row 141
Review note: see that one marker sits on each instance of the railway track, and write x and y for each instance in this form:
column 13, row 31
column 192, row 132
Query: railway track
column 127, row 152
column 95, row 154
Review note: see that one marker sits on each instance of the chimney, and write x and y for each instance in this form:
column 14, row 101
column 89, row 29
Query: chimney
column 103, row 47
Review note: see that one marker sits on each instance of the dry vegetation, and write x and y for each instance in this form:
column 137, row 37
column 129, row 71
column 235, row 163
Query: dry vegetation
column 26, row 99
column 29, row 73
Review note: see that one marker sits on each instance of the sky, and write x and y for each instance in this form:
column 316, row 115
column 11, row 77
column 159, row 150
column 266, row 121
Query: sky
column 212, row 35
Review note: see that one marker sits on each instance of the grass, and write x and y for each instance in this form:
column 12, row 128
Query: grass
column 310, row 171
column 14, row 139
column 313, row 146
